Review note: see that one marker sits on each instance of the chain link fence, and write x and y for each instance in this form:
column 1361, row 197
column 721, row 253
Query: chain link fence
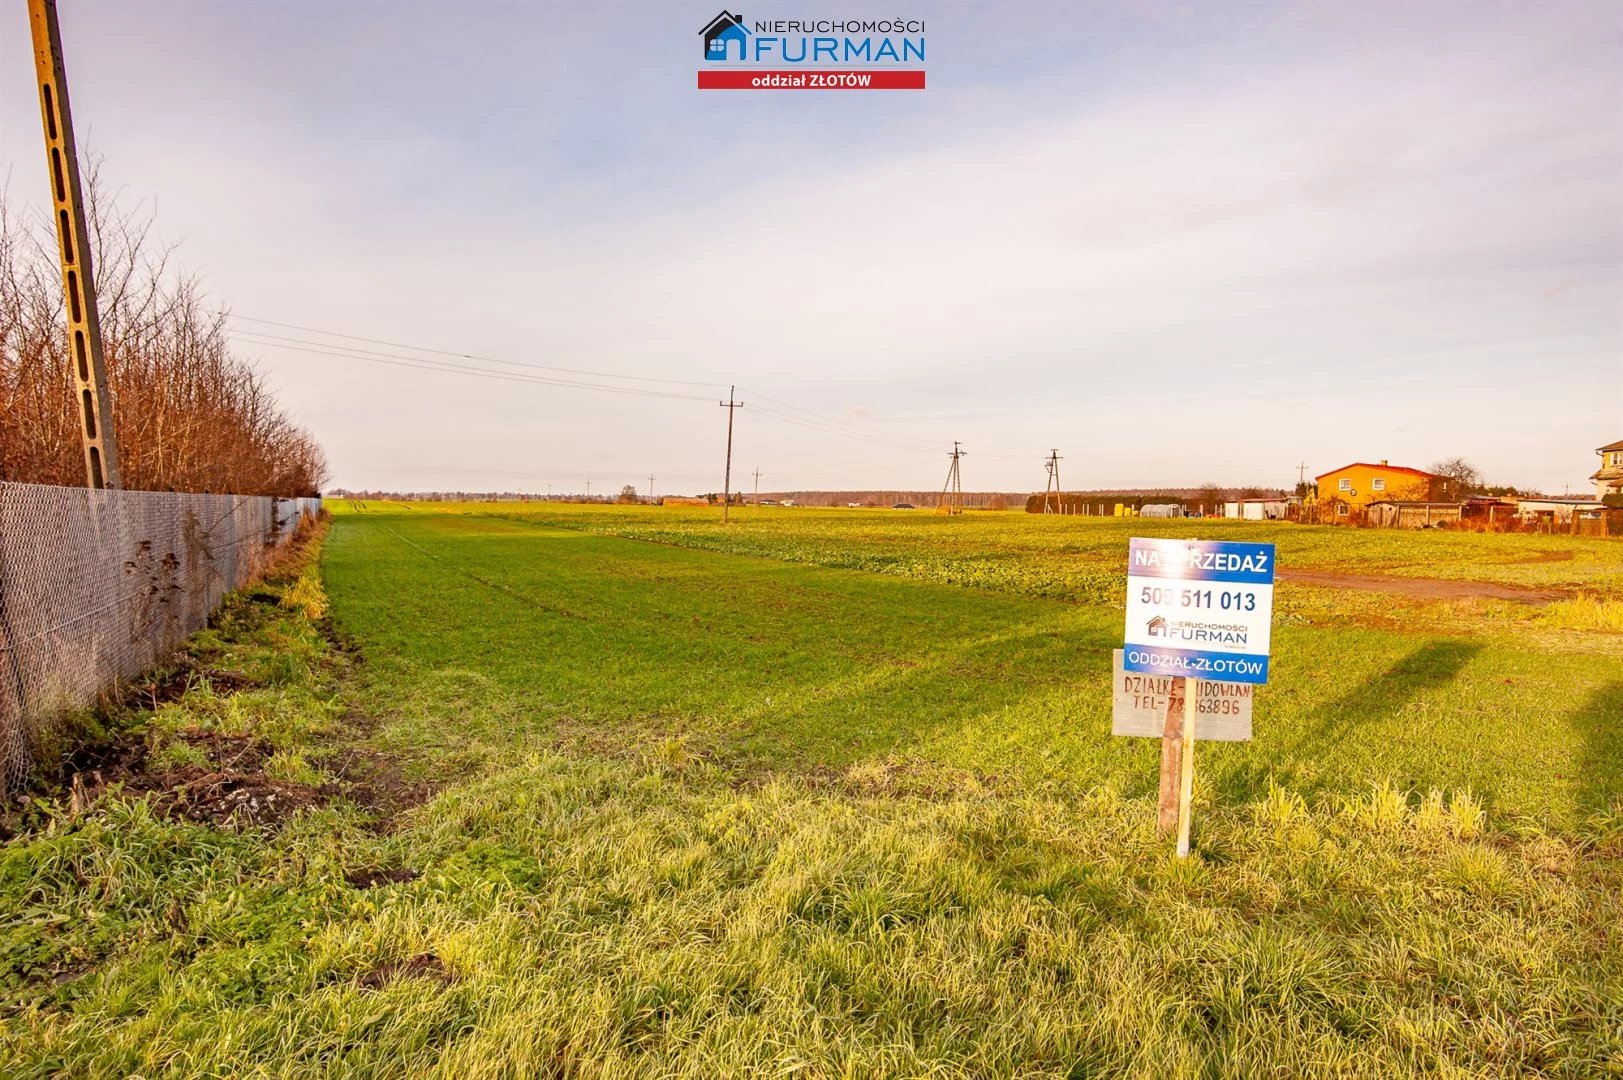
column 99, row 586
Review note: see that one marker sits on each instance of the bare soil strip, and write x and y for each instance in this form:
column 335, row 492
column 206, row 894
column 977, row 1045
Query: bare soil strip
column 1424, row 588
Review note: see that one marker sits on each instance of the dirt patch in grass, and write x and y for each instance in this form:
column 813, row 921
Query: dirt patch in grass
column 374, row 781
column 231, row 790
column 1546, row 557
column 371, row 879
column 421, row 966
column 169, row 683
column 228, row 798
column 1428, row 588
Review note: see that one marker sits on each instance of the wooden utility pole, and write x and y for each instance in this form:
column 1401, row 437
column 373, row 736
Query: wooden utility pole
column 73, row 237
column 727, row 478
column 757, row 485
column 650, row 487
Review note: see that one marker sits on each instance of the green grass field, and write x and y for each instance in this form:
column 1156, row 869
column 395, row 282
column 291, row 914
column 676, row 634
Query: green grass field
column 833, row 794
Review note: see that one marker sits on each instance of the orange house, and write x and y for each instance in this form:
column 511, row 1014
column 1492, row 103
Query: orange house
column 1355, row 486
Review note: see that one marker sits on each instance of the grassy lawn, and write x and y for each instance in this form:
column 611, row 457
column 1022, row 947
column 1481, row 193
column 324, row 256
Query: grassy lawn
column 1074, row 557
column 791, row 799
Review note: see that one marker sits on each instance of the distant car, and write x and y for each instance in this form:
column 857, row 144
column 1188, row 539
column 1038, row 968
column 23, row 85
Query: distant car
column 902, row 506
column 853, row 505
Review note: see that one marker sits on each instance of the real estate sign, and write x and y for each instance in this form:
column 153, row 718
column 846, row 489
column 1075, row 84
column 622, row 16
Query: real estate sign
column 1201, row 609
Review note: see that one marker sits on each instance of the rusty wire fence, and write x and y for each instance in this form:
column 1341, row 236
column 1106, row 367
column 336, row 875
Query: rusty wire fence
column 99, row 586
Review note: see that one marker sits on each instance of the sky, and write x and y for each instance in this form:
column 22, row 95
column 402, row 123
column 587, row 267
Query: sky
column 1180, row 243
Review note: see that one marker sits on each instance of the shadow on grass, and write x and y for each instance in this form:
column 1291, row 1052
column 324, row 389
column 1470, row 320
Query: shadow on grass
column 1322, row 730
column 1430, row 667
column 1599, row 723
column 871, row 712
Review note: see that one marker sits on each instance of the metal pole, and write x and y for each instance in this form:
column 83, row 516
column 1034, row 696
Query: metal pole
column 73, row 237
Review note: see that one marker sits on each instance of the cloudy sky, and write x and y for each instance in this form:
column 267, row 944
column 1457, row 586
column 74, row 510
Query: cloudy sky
column 1179, row 242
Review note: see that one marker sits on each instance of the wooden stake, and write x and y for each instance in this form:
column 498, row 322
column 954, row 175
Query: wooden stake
column 1186, row 785
column 1172, row 759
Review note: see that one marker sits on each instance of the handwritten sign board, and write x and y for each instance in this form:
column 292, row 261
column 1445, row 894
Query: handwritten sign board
column 1201, row 609
column 1139, row 706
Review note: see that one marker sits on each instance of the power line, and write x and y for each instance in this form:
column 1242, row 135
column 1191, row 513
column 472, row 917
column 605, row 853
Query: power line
column 923, row 444
column 458, row 355
column 785, row 412
column 447, row 367
column 793, row 421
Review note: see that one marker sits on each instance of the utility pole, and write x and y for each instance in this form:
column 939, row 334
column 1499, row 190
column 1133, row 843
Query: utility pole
column 588, row 489
column 650, row 487
column 757, row 485
column 1052, row 464
column 727, row 478
column 952, row 493
column 73, row 236
column 1301, row 475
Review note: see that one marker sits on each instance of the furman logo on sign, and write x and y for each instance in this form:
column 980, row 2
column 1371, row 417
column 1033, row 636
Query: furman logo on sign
column 1186, row 630
column 740, row 55
column 1199, row 609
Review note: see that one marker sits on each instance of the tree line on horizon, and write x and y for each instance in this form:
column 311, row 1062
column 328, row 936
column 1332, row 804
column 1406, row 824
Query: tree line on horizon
column 187, row 413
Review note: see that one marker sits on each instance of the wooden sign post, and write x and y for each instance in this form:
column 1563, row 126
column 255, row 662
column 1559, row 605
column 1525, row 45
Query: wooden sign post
column 1178, row 761
column 1186, row 766
column 1171, row 759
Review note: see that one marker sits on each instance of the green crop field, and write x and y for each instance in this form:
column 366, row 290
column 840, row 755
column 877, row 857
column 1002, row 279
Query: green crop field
column 832, row 793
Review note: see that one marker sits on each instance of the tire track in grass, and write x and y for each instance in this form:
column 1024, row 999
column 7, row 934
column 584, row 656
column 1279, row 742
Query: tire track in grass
column 487, row 582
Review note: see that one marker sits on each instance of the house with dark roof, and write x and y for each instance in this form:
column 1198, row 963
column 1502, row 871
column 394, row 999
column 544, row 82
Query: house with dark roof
column 720, row 33
column 1609, row 479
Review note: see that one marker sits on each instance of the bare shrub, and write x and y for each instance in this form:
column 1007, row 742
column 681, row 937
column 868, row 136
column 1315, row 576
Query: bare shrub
column 187, row 413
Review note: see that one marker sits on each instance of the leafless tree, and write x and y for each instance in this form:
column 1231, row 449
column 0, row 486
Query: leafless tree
column 1463, row 477
column 189, row 415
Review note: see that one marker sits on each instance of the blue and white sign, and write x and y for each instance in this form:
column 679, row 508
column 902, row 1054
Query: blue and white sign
column 1202, row 609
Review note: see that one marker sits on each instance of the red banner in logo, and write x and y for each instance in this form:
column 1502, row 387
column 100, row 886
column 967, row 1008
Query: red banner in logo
column 811, row 80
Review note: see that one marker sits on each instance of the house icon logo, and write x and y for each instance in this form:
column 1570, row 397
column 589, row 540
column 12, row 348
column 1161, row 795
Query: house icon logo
column 720, row 33
column 1158, row 626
